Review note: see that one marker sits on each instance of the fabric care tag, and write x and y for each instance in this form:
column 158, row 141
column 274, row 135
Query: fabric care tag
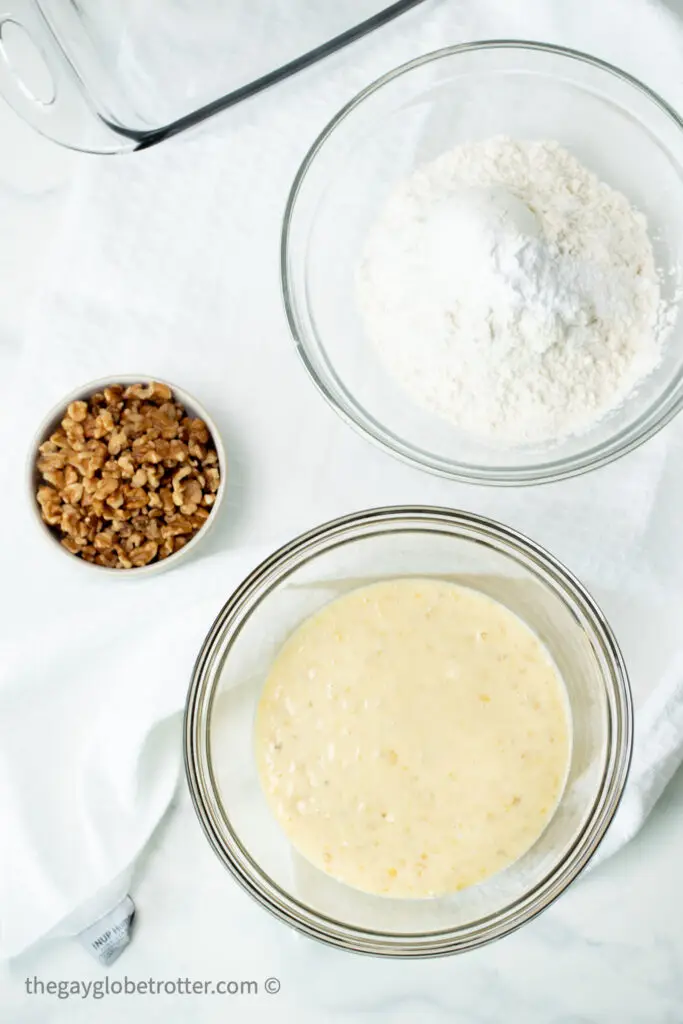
column 107, row 938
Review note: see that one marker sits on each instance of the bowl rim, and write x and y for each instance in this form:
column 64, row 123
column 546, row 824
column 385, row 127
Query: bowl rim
column 48, row 425
column 204, row 683
column 625, row 441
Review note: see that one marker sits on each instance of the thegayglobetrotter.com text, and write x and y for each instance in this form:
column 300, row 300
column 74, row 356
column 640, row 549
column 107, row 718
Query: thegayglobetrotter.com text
column 104, row 987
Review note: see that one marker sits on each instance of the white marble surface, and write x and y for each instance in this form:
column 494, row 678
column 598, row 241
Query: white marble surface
column 611, row 950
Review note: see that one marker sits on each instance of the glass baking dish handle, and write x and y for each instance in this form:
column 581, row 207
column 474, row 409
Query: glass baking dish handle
column 40, row 85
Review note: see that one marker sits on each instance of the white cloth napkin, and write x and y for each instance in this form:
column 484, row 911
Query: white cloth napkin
column 167, row 264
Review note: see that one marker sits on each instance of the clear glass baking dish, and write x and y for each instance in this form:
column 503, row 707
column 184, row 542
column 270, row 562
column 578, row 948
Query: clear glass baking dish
column 117, row 75
column 294, row 583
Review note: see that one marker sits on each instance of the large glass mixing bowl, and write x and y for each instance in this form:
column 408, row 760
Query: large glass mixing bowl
column 294, row 583
column 611, row 122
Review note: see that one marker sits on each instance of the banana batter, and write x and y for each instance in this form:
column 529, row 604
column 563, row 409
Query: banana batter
column 413, row 738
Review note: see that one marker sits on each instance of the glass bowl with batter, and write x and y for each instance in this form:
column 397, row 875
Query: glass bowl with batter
column 407, row 731
column 395, row 131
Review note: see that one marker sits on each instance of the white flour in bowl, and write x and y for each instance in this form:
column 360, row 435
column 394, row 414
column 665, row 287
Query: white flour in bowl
column 512, row 292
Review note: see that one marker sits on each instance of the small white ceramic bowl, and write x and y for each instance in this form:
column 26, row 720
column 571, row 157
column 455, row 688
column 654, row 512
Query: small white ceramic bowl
column 50, row 424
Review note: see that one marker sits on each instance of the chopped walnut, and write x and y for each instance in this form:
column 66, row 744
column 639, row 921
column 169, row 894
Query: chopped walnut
column 135, row 497
column 152, row 391
column 177, row 451
column 167, row 503
column 166, row 547
column 50, row 505
column 154, row 476
column 197, row 451
column 145, row 553
column 127, row 466
column 196, row 430
column 77, row 411
column 128, row 477
column 192, row 495
column 104, row 424
column 73, row 493
column 55, row 477
column 117, row 442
